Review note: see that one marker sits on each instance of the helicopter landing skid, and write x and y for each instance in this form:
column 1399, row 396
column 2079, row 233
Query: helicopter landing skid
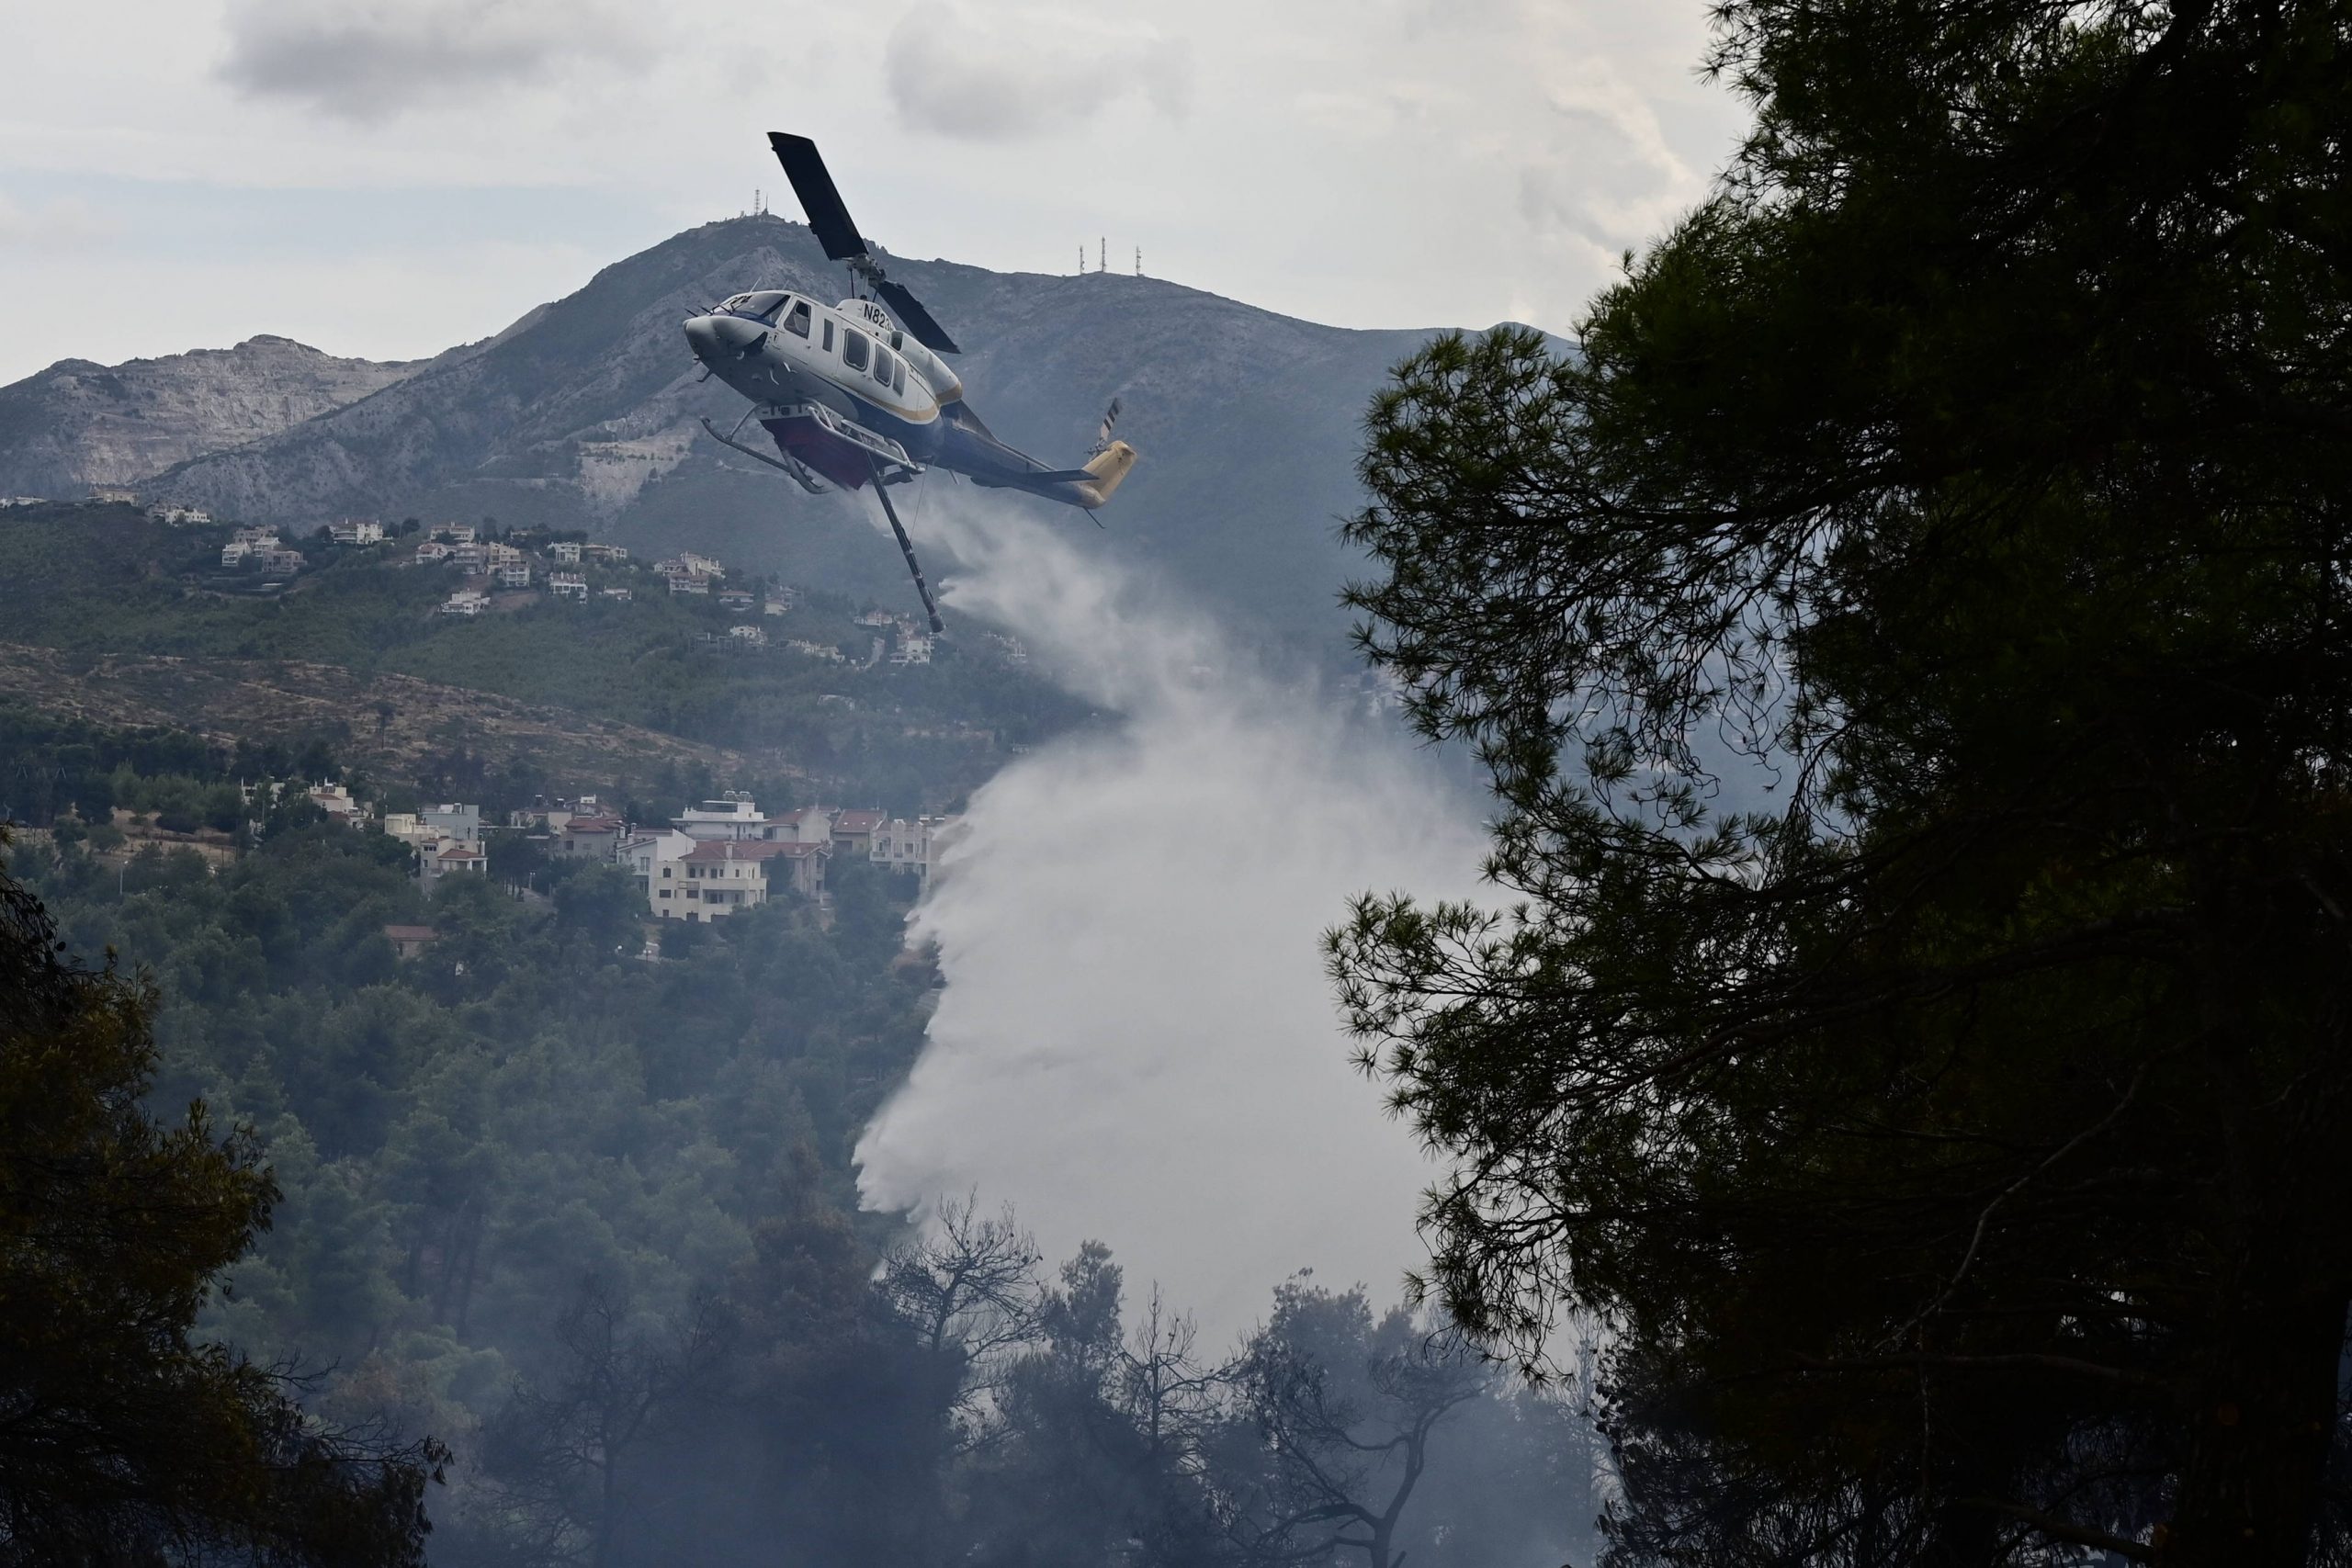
column 906, row 548
column 789, row 466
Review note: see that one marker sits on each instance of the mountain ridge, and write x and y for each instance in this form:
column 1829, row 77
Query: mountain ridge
column 584, row 413
column 77, row 424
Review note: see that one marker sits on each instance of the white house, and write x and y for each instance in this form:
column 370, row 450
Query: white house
column 433, row 549
column 459, row 821
column 564, row 552
column 455, row 532
column 749, row 637
column 516, row 574
column 685, row 583
column 465, row 601
column 737, row 817
column 568, row 585
column 805, row 825
column 234, row 552
column 280, row 563
column 653, row 858
column 723, row 877
column 912, row 650
column 914, row 846
column 356, row 531
column 453, row 857
column 591, row 835
column 617, row 595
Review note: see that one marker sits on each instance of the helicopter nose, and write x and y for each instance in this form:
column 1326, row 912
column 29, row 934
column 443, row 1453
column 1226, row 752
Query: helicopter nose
column 713, row 337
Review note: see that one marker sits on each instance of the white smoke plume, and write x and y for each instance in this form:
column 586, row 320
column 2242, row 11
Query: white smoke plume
column 1136, row 1042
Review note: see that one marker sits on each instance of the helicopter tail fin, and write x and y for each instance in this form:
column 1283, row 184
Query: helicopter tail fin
column 1107, row 468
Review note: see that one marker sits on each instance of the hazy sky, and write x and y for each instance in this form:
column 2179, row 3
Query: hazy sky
column 386, row 177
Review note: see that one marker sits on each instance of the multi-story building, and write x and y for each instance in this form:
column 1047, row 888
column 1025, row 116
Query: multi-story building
column 853, row 831
column 459, row 821
column 514, row 574
column 564, row 552
column 280, row 562
column 721, row 877
column 589, row 835
column 568, row 585
column 356, row 531
column 736, row 817
column 913, row 845
column 652, row 858
column 465, row 601
column 454, row 857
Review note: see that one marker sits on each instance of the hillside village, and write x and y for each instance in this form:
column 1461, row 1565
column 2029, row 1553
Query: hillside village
column 718, row 858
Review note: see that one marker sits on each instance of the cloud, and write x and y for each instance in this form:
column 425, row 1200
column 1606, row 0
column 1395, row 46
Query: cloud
column 62, row 223
column 1137, row 1042
column 1004, row 74
column 1610, row 176
column 369, row 60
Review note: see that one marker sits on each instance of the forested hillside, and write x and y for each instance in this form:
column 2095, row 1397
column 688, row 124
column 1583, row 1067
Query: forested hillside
column 589, row 1219
column 107, row 586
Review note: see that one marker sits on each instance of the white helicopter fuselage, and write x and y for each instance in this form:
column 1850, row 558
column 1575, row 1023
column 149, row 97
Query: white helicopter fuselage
column 780, row 348
column 786, row 351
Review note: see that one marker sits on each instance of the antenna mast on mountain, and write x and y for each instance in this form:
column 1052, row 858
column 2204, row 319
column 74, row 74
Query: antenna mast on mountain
column 1138, row 261
column 1103, row 261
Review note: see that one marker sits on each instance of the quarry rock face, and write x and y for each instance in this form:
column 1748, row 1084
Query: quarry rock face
column 77, row 424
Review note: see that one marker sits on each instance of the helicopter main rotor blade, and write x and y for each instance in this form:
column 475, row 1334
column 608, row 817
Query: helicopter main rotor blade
column 918, row 320
column 828, row 216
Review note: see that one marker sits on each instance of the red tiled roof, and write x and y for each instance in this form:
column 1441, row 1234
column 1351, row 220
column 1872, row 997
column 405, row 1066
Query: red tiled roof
column 459, row 851
column 594, row 825
column 858, row 821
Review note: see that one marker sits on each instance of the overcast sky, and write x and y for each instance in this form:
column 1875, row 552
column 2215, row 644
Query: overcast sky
column 388, row 177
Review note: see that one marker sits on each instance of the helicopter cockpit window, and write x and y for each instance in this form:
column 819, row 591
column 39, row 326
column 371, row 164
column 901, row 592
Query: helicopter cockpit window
column 762, row 304
column 796, row 321
column 853, row 350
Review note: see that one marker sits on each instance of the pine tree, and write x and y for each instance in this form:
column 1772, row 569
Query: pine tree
column 1955, row 1147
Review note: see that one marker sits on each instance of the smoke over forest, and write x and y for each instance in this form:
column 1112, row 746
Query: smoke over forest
column 1135, row 1043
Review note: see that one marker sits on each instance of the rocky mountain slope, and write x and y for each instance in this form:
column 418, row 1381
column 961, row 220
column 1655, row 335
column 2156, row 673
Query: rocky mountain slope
column 77, row 424
column 584, row 415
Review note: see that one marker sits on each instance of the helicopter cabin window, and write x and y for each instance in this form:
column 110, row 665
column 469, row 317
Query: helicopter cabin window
column 796, row 321
column 828, row 344
column 899, row 376
column 882, row 362
column 853, row 350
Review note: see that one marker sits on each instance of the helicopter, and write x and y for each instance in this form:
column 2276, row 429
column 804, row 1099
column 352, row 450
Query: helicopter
column 851, row 395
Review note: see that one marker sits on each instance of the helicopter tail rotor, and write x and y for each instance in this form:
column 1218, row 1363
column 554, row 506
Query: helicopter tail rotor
column 1102, row 436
